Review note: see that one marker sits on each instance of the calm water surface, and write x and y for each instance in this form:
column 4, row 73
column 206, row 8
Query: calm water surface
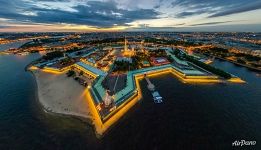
column 193, row 116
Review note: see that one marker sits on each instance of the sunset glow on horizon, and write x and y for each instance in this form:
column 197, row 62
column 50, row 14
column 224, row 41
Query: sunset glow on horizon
column 129, row 15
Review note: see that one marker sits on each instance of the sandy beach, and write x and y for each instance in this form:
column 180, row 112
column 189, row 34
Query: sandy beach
column 58, row 93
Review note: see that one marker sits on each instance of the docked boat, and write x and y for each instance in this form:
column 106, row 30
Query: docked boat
column 258, row 74
column 23, row 53
column 156, row 97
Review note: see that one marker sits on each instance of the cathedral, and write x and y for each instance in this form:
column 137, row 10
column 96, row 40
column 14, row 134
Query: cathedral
column 126, row 51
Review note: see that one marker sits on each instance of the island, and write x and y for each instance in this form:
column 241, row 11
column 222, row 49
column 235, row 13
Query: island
column 101, row 83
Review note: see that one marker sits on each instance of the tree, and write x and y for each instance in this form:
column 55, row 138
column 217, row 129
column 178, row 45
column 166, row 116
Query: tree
column 81, row 73
column 241, row 61
column 208, row 67
column 70, row 73
column 52, row 55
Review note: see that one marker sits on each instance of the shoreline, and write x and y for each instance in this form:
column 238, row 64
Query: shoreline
column 44, row 107
column 51, row 89
column 239, row 64
column 98, row 128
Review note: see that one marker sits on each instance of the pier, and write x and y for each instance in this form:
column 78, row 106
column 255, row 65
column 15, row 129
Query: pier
column 156, row 96
column 150, row 86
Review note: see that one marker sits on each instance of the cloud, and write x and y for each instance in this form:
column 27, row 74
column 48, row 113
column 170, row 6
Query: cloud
column 244, row 8
column 211, row 23
column 92, row 13
column 215, row 8
column 192, row 13
column 3, row 26
column 197, row 4
column 111, row 13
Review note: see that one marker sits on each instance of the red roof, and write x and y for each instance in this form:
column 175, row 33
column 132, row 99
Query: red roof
column 157, row 61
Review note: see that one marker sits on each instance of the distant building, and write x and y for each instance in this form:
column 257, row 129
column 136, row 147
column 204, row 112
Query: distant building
column 91, row 61
column 256, row 53
column 145, row 63
column 126, row 59
column 158, row 61
column 127, row 52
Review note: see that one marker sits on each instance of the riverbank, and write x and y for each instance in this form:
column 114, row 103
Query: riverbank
column 62, row 95
column 239, row 64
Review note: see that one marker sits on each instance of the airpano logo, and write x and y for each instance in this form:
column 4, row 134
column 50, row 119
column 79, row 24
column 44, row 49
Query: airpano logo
column 243, row 143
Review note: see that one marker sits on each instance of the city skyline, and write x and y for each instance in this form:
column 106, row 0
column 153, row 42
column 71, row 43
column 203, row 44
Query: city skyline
column 127, row 15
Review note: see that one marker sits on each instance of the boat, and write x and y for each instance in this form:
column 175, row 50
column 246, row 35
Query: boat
column 258, row 74
column 23, row 53
column 207, row 60
column 156, row 97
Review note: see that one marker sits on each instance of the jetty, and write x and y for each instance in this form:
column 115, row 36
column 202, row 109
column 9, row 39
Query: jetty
column 156, row 96
column 150, row 86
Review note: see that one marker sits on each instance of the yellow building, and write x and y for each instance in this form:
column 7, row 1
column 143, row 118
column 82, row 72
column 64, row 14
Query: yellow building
column 127, row 52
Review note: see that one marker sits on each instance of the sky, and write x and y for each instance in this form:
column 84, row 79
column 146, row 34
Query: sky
column 130, row 15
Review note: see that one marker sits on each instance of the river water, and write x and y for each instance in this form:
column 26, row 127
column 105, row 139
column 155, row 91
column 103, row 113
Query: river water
column 193, row 116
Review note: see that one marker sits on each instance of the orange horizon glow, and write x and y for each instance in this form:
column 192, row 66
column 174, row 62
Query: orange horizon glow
column 59, row 28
